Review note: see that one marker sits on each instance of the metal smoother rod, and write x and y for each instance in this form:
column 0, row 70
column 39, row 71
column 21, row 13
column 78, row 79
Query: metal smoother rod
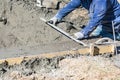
column 64, row 33
column 114, row 37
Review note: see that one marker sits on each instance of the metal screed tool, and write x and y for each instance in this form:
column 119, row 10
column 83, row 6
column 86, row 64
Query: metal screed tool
column 63, row 32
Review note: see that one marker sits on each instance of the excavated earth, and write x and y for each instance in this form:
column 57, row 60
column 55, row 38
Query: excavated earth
column 22, row 33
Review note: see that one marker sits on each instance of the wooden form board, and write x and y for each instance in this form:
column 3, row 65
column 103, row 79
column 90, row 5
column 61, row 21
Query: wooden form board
column 93, row 50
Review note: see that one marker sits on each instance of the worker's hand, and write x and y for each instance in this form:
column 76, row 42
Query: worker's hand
column 79, row 35
column 53, row 20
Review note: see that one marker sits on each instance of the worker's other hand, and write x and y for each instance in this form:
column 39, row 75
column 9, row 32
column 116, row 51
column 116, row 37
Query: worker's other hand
column 53, row 20
column 79, row 35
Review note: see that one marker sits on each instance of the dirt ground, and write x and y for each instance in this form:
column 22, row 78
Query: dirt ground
column 22, row 33
column 64, row 68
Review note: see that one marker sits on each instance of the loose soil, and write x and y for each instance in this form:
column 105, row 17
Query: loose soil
column 67, row 67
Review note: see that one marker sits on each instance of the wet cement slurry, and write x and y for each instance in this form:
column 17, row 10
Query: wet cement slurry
column 25, row 34
column 39, row 49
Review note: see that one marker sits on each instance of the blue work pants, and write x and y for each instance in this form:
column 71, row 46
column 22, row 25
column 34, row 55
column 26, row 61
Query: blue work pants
column 102, row 31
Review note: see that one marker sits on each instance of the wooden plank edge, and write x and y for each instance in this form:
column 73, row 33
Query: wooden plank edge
column 101, row 49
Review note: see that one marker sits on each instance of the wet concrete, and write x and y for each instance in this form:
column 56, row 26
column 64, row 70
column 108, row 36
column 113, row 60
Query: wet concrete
column 38, row 49
column 25, row 34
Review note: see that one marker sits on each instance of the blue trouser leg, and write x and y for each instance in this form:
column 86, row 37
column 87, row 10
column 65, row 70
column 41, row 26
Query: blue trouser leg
column 118, row 33
column 110, row 35
column 106, row 30
column 105, row 33
column 117, row 27
column 102, row 31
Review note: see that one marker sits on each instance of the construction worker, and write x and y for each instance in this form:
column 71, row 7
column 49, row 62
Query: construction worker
column 101, row 12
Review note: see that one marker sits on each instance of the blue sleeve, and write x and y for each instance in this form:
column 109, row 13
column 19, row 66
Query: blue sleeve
column 98, row 14
column 73, row 4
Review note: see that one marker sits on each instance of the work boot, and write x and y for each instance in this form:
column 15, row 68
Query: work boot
column 97, row 31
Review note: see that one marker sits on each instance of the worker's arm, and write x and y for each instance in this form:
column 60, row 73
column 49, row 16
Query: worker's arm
column 100, row 9
column 73, row 4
